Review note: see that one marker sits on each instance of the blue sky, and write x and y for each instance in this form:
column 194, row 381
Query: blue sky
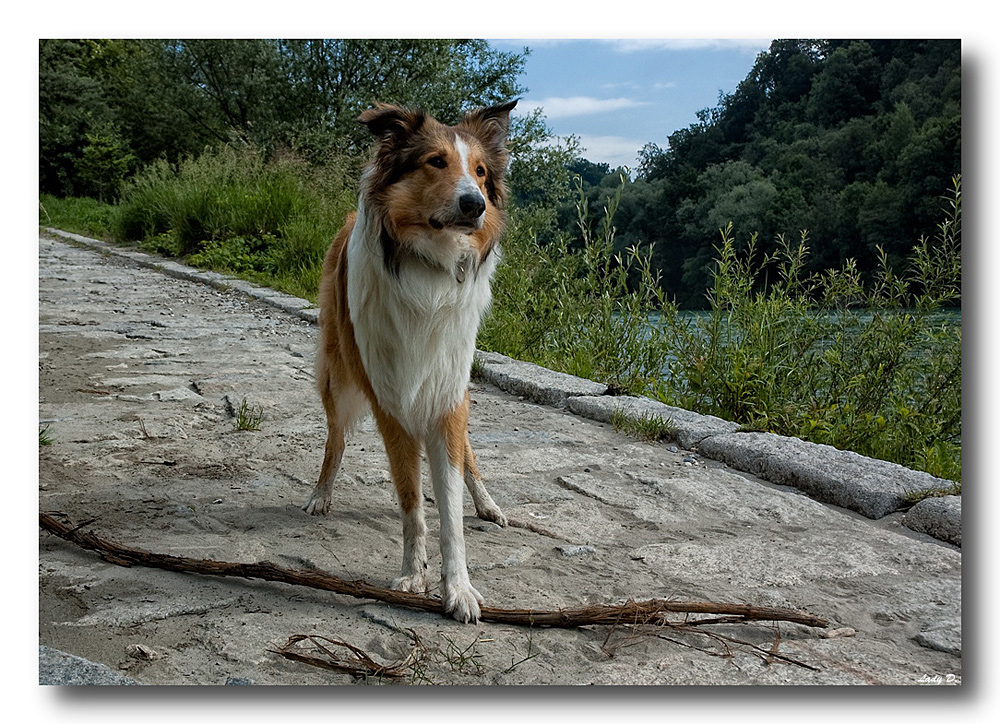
column 618, row 95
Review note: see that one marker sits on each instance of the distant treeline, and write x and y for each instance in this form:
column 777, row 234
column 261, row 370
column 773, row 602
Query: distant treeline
column 855, row 141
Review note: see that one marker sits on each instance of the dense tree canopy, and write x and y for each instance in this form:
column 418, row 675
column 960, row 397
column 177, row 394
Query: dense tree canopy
column 169, row 98
column 855, row 141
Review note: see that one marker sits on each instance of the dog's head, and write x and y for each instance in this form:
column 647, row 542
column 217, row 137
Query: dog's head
column 431, row 182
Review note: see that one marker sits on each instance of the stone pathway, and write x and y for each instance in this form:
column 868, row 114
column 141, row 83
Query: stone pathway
column 141, row 376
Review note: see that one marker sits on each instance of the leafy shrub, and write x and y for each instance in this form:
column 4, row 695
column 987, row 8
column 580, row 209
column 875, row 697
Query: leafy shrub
column 233, row 211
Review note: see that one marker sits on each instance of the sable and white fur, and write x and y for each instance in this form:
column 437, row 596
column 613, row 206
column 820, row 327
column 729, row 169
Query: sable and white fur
column 404, row 287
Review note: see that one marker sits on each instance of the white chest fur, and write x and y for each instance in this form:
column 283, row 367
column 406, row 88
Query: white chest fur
column 416, row 331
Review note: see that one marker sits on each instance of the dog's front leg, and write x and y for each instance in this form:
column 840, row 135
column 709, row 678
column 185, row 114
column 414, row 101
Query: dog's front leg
column 446, row 457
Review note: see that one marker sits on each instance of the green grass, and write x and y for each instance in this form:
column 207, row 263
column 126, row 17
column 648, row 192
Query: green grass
column 648, row 427
column 228, row 210
column 248, row 418
column 478, row 370
column 87, row 217
column 232, row 211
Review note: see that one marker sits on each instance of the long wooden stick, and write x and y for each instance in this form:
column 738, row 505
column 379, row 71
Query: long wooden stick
column 631, row 612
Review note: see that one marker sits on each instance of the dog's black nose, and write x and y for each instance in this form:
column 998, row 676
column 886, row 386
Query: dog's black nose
column 471, row 205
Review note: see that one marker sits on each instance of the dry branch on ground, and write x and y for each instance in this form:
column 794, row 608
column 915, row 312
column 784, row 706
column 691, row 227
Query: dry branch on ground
column 652, row 611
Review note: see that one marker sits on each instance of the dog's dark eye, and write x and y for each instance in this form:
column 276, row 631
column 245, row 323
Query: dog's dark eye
column 480, row 171
column 437, row 162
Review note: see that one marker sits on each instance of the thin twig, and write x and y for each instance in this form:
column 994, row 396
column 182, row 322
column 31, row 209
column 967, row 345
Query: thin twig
column 653, row 611
column 361, row 665
column 765, row 655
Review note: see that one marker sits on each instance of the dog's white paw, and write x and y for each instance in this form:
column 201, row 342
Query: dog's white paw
column 461, row 601
column 414, row 583
column 317, row 505
column 493, row 514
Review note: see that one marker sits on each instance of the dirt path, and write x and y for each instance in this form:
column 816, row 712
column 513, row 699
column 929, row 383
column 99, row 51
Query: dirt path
column 140, row 377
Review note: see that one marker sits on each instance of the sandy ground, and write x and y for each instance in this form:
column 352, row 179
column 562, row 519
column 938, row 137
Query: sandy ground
column 140, row 377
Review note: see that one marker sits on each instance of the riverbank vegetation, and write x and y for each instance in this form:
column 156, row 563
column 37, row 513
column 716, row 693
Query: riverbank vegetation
column 243, row 157
column 870, row 364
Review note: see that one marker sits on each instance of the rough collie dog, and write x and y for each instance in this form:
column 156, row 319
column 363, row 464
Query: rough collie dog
column 404, row 286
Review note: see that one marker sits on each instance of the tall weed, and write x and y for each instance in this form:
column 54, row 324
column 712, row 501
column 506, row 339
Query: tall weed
column 580, row 306
column 875, row 368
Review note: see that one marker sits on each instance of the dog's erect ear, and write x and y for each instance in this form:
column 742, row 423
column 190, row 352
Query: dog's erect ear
column 490, row 126
column 494, row 121
column 391, row 122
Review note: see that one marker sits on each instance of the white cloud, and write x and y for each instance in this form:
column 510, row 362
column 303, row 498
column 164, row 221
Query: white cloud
column 557, row 107
column 629, row 84
column 613, row 150
column 633, row 45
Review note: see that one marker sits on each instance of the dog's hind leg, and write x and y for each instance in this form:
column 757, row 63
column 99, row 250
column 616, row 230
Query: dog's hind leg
column 342, row 409
column 403, row 452
column 485, row 507
column 322, row 494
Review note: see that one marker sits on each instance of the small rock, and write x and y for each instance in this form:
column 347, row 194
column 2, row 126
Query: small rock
column 570, row 551
column 239, row 681
column 485, row 526
column 838, row 633
column 58, row 668
column 178, row 394
column 944, row 635
column 141, row 652
column 939, row 517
